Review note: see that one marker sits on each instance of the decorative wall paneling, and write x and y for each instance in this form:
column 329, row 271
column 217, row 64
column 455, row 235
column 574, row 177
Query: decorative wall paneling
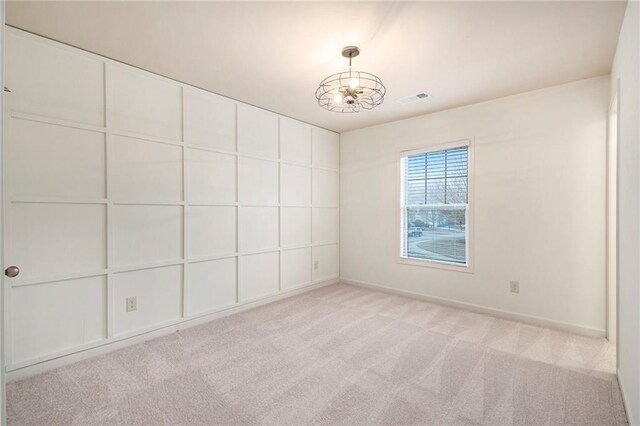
column 123, row 183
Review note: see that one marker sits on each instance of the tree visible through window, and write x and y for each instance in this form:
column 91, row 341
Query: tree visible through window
column 435, row 205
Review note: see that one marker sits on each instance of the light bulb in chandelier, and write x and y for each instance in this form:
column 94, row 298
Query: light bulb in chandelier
column 350, row 91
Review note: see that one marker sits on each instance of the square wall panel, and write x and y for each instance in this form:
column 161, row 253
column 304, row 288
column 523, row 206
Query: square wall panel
column 325, row 225
column 52, row 81
column 142, row 170
column 211, row 177
column 212, row 231
column 258, row 181
column 257, row 132
column 257, row 228
column 325, row 188
column 55, row 239
column 327, row 261
column 46, row 160
column 146, row 234
column 212, row 285
column 145, row 104
column 295, row 226
column 158, row 293
column 295, row 267
column 258, row 276
column 295, row 141
column 295, row 185
column 209, row 120
column 326, row 148
column 49, row 318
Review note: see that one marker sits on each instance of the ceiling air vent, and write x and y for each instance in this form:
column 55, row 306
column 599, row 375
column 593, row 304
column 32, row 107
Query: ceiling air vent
column 413, row 98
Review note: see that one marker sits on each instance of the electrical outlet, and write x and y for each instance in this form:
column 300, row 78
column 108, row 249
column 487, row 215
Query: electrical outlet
column 132, row 304
column 515, row 286
column 315, row 264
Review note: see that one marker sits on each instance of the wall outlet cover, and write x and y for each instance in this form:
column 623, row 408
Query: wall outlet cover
column 132, row 304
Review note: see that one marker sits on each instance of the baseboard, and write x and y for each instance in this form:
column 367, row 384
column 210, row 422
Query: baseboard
column 74, row 355
column 625, row 402
column 529, row 319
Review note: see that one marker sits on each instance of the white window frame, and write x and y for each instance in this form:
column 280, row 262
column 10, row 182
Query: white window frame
column 431, row 263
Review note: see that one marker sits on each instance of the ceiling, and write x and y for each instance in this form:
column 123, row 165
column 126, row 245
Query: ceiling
column 273, row 55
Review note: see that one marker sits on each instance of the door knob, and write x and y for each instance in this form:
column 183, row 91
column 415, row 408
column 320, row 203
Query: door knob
column 12, row 271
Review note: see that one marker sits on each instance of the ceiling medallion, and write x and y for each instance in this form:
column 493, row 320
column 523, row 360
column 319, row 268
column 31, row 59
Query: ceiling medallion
column 350, row 91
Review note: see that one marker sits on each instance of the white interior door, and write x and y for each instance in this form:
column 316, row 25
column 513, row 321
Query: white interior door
column 3, row 418
column 54, row 199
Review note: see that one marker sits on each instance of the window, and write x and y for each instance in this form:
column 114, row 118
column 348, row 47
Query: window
column 435, row 205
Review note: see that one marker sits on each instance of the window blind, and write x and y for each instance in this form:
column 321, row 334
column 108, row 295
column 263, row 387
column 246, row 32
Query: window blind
column 438, row 177
column 435, row 205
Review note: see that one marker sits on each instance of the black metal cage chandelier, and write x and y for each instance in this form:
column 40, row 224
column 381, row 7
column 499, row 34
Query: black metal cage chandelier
column 350, row 91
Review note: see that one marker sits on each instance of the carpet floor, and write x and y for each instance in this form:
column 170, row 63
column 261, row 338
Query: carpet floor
column 336, row 355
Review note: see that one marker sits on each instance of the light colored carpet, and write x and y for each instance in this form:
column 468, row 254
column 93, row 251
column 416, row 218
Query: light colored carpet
column 336, row 355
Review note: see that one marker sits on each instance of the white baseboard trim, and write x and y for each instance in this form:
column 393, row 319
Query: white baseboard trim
column 625, row 402
column 529, row 319
column 106, row 346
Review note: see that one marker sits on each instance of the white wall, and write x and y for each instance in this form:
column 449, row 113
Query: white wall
column 539, row 207
column 626, row 73
column 122, row 183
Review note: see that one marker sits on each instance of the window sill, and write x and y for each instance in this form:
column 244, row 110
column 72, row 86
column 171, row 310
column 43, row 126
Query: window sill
column 436, row 265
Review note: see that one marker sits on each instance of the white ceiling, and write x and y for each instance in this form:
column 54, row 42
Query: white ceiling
column 273, row 55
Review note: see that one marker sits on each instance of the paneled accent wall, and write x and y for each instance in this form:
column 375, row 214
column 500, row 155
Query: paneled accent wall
column 122, row 183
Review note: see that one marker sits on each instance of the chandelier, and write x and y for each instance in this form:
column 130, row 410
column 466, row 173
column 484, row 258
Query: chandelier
column 350, row 91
